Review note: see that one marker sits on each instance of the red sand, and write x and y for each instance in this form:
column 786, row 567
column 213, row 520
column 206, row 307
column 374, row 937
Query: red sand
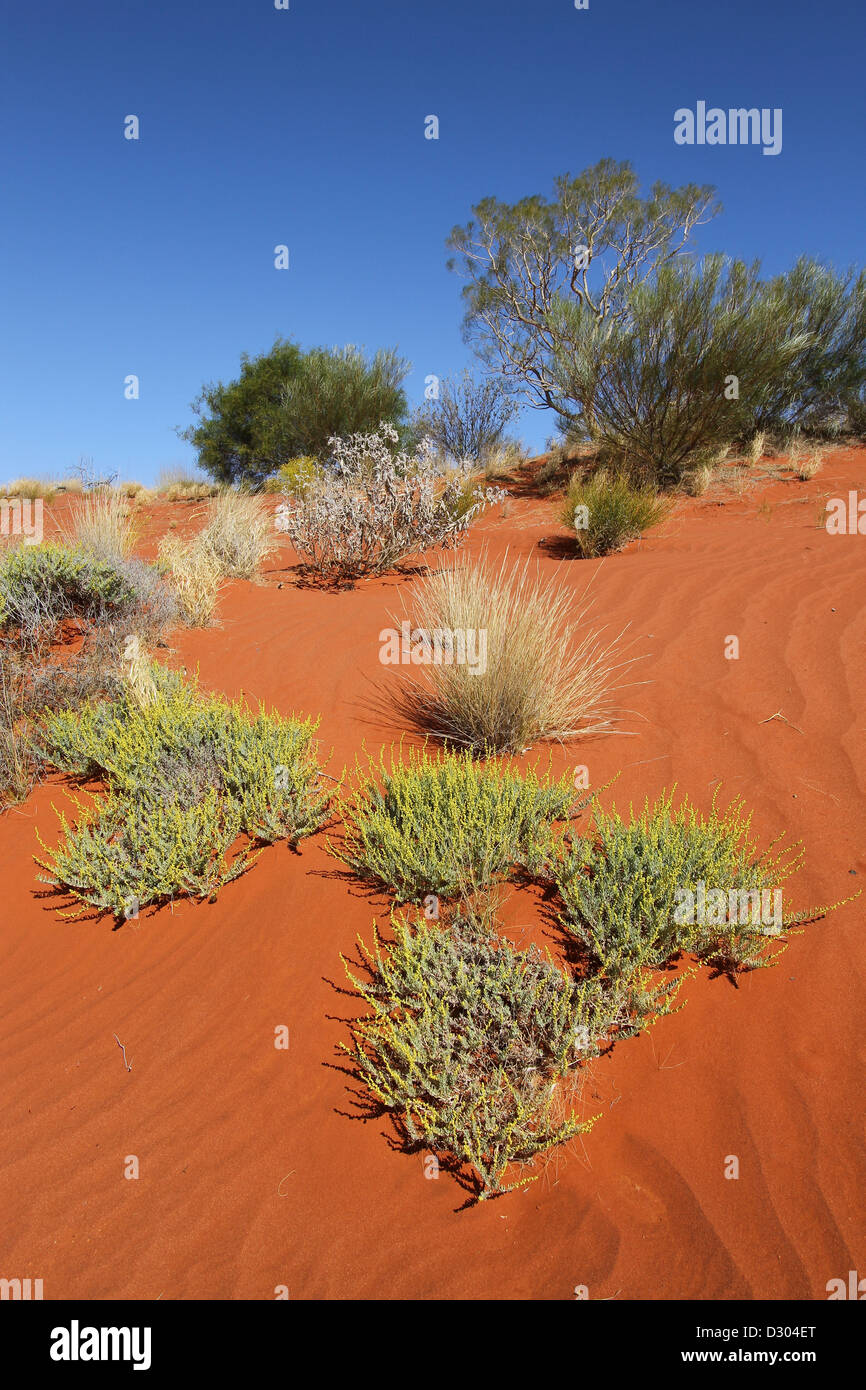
column 251, row 1174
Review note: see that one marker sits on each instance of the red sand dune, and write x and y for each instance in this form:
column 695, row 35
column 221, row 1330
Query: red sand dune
column 252, row 1175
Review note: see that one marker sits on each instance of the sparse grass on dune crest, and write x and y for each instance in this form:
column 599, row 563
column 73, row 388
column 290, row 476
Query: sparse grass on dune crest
column 534, row 670
column 31, row 488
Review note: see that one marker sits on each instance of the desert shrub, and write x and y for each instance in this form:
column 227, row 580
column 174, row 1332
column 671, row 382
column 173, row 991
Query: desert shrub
column 652, row 386
column 31, row 488
column 532, row 671
column 17, row 758
column 104, row 524
column 465, row 1041
column 625, row 889
column 469, row 418
column 194, row 766
column 287, row 402
column 295, row 476
column 194, row 575
column 823, row 312
column 42, row 585
column 855, row 406
column 131, row 489
column 449, row 825
column 374, row 509
column 126, row 854
column 238, row 533
column 616, row 512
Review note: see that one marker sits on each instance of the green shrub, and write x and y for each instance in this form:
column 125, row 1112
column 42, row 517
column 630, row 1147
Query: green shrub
column 41, row 585
column 651, row 386
column 126, row 854
column 624, row 890
column 450, row 825
column 288, row 402
column 616, row 512
column 465, row 1041
column 182, row 751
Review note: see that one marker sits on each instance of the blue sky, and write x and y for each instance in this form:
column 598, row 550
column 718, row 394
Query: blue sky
column 306, row 127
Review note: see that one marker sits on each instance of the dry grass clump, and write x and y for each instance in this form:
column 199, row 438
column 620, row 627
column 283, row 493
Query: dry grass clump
column 698, row 481
column 239, row 533
column 188, row 492
column 507, row 660
column 31, row 488
column 104, row 524
column 194, row 576
column 757, row 447
column 502, row 459
column 806, row 458
column 130, row 489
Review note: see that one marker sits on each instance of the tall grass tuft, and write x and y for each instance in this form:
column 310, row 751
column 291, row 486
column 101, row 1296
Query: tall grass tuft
column 104, row 524
column 194, row 576
column 238, row 534
column 607, row 512
column 545, row 674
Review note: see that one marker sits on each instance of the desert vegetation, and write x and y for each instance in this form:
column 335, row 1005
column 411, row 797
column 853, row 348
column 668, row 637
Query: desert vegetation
column 476, row 1049
column 449, row 825
column 373, row 506
column 186, row 777
column 606, row 512
column 547, row 674
column 666, row 374
column 589, row 305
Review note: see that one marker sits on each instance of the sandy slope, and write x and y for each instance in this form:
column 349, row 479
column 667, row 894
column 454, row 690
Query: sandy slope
column 253, row 1173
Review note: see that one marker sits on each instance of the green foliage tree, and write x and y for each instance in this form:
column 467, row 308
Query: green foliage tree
column 680, row 373
column 287, row 402
column 822, row 312
column 593, row 243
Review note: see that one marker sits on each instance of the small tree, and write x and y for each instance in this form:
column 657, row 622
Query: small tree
column 287, row 403
column 469, row 418
column 595, row 242
column 340, row 392
column 236, row 437
column 663, row 387
column 825, row 313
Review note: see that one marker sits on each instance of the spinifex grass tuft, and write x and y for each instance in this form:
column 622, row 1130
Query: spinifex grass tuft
column 546, row 675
